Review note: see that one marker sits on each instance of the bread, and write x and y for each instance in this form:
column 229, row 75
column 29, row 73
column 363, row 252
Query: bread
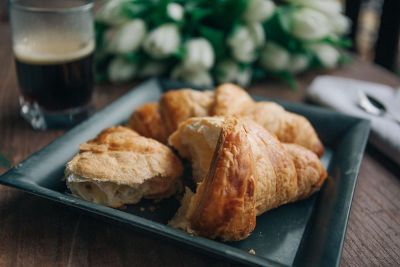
column 288, row 127
column 120, row 167
column 244, row 154
column 146, row 120
column 230, row 99
column 224, row 204
column 159, row 122
column 195, row 140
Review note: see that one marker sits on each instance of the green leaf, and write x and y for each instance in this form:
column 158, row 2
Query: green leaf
column 338, row 42
column 199, row 14
column 180, row 53
column 216, row 38
column 100, row 29
column 137, row 58
column 259, row 73
column 289, row 79
column 136, row 9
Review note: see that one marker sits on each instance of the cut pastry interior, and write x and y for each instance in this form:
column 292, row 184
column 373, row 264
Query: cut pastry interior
column 243, row 152
column 196, row 140
column 121, row 167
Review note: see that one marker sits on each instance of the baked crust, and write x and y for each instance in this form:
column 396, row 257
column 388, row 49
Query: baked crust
column 146, row 120
column 159, row 122
column 282, row 173
column 230, row 99
column 310, row 172
column 179, row 105
column 120, row 156
column 224, row 204
column 287, row 126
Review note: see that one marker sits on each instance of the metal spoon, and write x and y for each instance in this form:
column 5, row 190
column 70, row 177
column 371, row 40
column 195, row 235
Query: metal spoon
column 375, row 107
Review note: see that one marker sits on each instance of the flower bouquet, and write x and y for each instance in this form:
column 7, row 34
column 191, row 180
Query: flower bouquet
column 208, row 41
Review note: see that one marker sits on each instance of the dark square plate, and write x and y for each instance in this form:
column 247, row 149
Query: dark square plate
column 306, row 233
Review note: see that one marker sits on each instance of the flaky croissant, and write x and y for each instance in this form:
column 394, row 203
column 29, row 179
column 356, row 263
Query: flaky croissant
column 147, row 121
column 242, row 171
column 287, row 126
column 120, row 167
column 159, row 121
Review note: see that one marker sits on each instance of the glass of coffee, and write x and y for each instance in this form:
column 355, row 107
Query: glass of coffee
column 53, row 45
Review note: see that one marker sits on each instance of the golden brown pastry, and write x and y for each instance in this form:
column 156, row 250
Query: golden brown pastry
column 230, row 99
column 288, row 127
column 120, row 167
column 159, row 122
column 179, row 105
column 146, row 120
column 282, row 173
column 224, row 204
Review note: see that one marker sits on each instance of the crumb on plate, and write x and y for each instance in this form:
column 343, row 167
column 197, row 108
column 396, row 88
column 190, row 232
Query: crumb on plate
column 252, row 251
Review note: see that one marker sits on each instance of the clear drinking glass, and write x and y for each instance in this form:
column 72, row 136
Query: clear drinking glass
column 53, row 45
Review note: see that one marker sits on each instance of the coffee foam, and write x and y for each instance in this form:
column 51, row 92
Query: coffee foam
column 52, row 52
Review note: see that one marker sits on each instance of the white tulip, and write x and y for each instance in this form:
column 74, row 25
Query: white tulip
column 175, row 11
column 198, row 78
column 152, row 68
column 120, row 70
column 127, row 37
column 199, row 55
column 308, row 24
column 325, row 6
column 257, row 33
column 229, row 71
column 111, row 12
column 326, row 54
column 163, row 41
column 298, row 63
column 274, row 57
column 258, row 10
column 340, row 24
column 242, row 44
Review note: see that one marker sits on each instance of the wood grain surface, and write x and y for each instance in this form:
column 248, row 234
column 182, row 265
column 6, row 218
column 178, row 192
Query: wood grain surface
column 38, row 232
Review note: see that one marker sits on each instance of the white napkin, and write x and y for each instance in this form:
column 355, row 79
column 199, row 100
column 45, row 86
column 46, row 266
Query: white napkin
column 341, row 94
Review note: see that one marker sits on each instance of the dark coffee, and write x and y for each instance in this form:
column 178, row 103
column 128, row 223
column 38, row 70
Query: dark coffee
column 62, row 81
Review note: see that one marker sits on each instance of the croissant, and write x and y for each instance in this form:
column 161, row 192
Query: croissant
column 179, row 105
column 242, row 171
column 230, row 99
column 287, row 126
column 158, row 121
column 120, row 167
column 147, row 121
column 161, row 121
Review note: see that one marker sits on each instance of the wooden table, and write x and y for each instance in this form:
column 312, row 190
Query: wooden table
column 37, row 232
